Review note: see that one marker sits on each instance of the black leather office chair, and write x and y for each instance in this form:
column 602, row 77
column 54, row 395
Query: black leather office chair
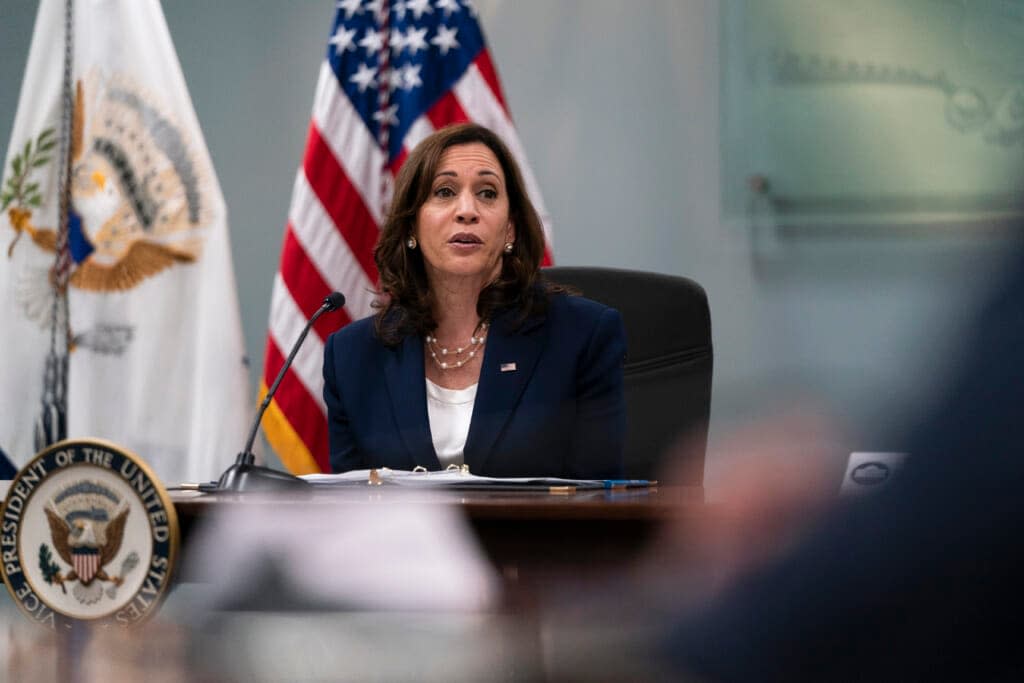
column 668, row 362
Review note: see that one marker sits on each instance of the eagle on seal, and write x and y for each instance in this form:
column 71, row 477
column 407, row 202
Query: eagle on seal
column 88, row 548
column 138, row 192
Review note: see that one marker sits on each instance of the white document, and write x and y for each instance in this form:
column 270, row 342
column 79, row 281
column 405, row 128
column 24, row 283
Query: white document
column 404, row 555
column 443, row 479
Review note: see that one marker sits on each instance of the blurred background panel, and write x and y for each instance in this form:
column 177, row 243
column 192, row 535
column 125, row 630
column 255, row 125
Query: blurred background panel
column 874, row 113
column 705, row 138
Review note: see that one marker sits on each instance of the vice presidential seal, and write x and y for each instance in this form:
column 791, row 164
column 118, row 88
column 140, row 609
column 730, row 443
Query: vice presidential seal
column 87, row 533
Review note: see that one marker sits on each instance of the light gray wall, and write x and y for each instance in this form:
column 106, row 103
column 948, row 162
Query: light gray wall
column 619, row 109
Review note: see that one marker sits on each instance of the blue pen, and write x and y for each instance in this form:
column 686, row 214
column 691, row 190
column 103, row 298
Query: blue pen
column 628, row 483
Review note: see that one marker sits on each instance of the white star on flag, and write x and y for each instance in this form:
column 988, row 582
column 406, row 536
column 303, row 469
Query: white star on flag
column 445, row 39
column 397, row 41
column 377, row 8
column 351, row 7
column 373, row 41
column 342, row 39
column 365, row 77
column 399, row 10
column 449, row 7
column 411, row 76
column 387, row 116
column 419, row 7
column 394, row 79
column 415, row 39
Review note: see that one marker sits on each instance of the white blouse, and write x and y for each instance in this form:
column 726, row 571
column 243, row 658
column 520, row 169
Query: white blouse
column 449, row 412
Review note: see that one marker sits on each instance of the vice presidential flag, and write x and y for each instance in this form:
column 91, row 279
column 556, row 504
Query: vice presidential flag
column 394, row 72
column 153, row 337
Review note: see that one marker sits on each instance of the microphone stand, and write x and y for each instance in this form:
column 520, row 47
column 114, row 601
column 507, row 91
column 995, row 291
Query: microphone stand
column 245, row 475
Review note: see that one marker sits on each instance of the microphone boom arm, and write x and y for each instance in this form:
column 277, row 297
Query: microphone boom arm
column 273, row 387
column 245, row 474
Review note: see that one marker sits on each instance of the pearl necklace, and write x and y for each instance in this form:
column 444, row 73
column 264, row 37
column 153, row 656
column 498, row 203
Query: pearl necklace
column 439, row 353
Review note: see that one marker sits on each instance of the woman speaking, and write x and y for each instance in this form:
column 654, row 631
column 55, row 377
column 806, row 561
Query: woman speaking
column 472, row 358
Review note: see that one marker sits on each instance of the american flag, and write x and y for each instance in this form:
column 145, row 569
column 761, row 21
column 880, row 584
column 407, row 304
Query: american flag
column 394, row 72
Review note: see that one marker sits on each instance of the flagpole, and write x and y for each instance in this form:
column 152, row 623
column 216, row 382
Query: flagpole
column 51, row 425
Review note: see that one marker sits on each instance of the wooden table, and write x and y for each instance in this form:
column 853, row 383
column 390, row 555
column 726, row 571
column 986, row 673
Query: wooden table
column 529, row 536
column 547, row 547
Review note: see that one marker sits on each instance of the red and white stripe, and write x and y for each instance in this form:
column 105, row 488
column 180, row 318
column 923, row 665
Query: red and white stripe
column 86, row 565
column 337, row 208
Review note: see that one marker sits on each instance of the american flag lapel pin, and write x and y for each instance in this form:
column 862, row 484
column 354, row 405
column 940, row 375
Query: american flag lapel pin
column 508, row 367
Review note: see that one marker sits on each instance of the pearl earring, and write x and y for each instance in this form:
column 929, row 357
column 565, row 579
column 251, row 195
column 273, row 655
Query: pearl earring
column 508, row 247
column 411, row 243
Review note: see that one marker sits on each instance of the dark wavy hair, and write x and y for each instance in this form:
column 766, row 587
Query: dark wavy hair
column 406, row 301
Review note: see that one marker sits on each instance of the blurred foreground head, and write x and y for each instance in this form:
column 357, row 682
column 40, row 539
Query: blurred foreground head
column 918, row 582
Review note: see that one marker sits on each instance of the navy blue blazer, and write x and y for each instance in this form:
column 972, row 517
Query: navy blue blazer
column 557, row 409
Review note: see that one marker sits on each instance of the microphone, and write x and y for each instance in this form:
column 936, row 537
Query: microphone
column 245, row 474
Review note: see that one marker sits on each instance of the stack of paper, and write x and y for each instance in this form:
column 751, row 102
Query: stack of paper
column 462, row 479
